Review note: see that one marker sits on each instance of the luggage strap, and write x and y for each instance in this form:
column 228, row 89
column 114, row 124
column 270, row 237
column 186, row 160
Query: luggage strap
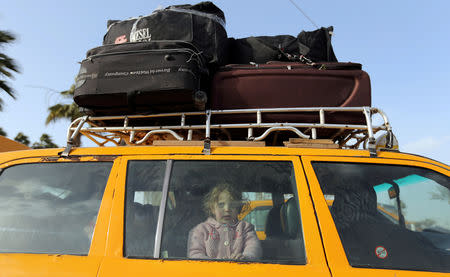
column 199, row 13
column 320, row 66
column 302, row 59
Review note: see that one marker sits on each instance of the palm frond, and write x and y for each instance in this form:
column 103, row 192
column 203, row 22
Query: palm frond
column 4, row 86
column 7, row 62
column 6, row 37
column 68, row 93
column 7, row 65
column 63, row 111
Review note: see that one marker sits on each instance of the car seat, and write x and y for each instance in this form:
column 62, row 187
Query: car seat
column 140, row 230
column 284, row 245
column 178, row 222
column 272, row 226
column 290, row 219
column 353, row 205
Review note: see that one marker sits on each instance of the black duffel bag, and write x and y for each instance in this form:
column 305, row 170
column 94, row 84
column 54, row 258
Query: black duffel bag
column 202, row 24
column 315, row 46
column 261, row 49
column 148, row 77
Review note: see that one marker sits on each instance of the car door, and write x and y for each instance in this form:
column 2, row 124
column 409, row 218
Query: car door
column 382, row 216
column 54, row 215
column 161, row 209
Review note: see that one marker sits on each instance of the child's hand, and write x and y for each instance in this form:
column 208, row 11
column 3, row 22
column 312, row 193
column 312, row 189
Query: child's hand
column 237, row 256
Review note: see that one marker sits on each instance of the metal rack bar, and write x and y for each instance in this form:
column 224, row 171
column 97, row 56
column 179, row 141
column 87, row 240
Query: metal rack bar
column 242, row 111
column 95, row 127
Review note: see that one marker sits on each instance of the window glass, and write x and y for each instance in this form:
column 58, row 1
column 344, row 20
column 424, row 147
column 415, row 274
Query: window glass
column 233, row 210
column 257, row 216
column 389, row 216
column 143, row 198
column 50, row 207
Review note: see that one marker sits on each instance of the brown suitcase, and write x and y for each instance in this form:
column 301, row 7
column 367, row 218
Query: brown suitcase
column 287, row 85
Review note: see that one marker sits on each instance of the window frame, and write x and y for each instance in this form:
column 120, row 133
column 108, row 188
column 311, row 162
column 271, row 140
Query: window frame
column 336, row 256
column 312, row 242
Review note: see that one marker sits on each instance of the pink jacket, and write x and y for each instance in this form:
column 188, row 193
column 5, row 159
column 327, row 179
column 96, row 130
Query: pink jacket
column 212, row 240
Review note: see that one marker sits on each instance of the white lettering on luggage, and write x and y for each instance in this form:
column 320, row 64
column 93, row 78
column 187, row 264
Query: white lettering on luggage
column 140, row 72
column 160, row 70
column 111, row 74
column 140, row 35
column 86, row 76
column 137, row 72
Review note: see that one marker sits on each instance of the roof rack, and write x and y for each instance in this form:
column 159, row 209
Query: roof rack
column 182, row 126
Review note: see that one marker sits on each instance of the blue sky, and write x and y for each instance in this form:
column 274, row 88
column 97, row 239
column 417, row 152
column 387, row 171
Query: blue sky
column 403, row 45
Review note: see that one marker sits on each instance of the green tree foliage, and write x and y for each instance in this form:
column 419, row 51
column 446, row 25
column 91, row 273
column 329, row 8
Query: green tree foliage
column 65, row 111
column 2, row 132
column 7, row 66
column 22, row 138
column 44, row 142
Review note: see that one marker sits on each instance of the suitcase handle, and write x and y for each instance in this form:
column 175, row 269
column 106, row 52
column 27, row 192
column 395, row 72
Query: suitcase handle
column 169, row 57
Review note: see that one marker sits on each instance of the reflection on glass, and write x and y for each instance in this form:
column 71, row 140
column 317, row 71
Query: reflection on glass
column 389, row 216
column 50, row 207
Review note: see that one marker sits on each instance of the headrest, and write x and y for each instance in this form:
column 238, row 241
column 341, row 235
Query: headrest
column 352, row 205
column 273, row 223
column 142, row 212
column 290, row 218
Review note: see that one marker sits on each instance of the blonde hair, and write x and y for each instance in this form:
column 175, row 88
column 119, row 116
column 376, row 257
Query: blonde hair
column 212, row 197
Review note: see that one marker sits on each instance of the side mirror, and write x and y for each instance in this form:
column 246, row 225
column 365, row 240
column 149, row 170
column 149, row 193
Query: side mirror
column 392, row 193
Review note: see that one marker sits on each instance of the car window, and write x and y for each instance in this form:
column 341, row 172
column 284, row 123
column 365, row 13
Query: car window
column 143, row 198
column 389, row 216
column 205, row 206
column 50, row 207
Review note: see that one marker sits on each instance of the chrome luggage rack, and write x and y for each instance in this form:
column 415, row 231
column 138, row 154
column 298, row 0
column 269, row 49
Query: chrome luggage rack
column 138, row 129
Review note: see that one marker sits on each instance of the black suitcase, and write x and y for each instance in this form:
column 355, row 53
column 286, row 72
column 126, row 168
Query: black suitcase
column 144, row 78
column 202, row 24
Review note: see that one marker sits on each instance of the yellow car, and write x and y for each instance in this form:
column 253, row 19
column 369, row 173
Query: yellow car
column 143, row 210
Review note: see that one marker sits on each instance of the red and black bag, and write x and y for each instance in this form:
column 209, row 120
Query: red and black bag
column 287, row 85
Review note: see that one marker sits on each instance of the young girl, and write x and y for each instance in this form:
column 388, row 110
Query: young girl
column 222, row 235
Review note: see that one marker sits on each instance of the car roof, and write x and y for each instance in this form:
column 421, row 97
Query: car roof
column 197, row 150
